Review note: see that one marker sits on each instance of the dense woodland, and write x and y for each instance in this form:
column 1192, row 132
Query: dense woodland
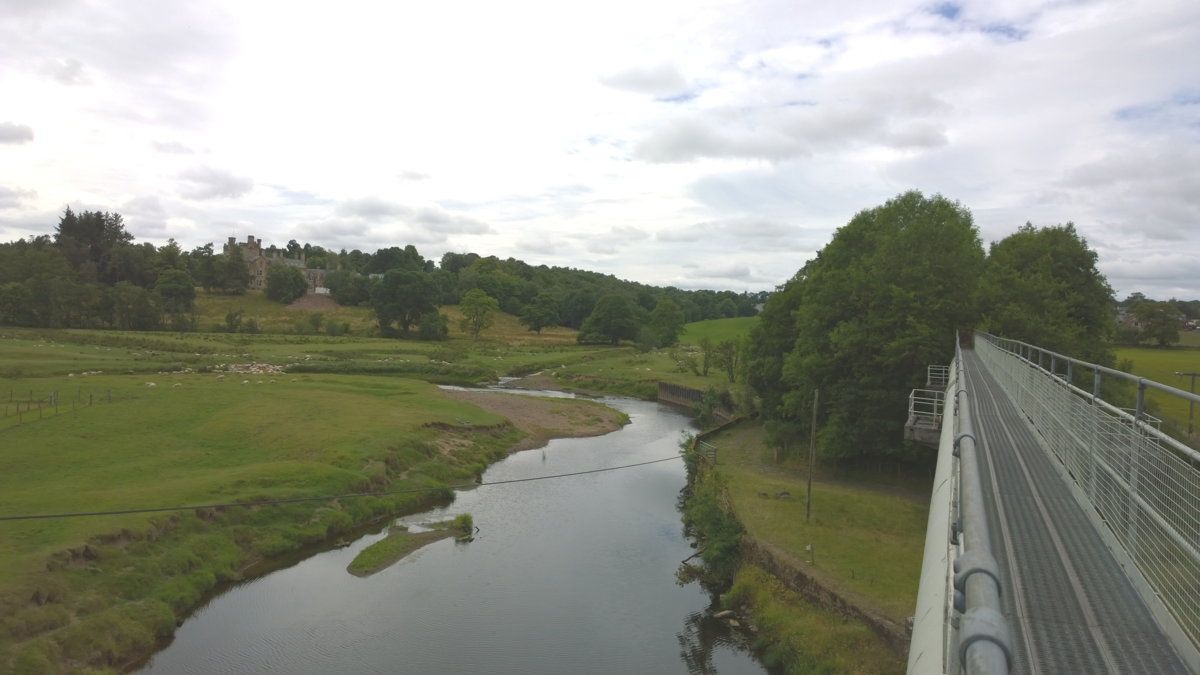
column 90, row 273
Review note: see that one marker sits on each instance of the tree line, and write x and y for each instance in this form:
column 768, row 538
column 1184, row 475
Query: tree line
column 90, row 273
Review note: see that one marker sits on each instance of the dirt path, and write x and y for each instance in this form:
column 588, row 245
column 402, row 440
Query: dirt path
column 545, row 418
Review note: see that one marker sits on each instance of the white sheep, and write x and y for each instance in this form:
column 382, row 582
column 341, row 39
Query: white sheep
column 245, row 381
column 220, row 377
column 151, row 384
column 177, row 384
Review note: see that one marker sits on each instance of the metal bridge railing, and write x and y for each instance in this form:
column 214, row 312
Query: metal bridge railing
column 959, row 624
column 937, row 377
column 925, row 406
column 1143, row 485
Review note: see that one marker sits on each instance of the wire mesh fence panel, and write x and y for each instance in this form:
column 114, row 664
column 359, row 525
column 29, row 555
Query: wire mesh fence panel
column 1144, row 485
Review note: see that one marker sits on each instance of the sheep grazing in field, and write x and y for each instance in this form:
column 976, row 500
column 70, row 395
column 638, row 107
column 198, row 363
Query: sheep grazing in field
column 220, row 377
column 151, row 384
column 258, row 382
column 272, row 382
column 177, row 384
column 245, row 381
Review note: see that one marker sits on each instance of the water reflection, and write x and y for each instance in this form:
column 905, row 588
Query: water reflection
column 566, row 575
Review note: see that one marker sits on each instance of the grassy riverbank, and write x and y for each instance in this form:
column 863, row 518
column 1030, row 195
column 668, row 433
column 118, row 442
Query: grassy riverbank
column 100, row 592
column 103, row 420
column 860, row 555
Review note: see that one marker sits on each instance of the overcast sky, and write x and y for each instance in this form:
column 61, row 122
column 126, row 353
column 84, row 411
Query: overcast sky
column 693, row 143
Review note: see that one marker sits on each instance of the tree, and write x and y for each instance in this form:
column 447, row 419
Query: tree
column 88, row 239
column 707, row 354
column 134, row 308
column 233, row 273
column 666, row 322
column 878, row 304
column 433, row 326
column 612, row 320
column 177, row 293
column 541, row 313
column 1041, row 285
column 728, row 357
column 285, row 283
column 348, row 288
column 401, row 297
column 1157, row 321
column 477, row 309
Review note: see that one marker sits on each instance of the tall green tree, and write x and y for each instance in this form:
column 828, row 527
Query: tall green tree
column 285, row 283
column 666, row 321
column 880, row 302
column 177, row 294
column 400, row 298
column 541, row 313
column 1041, row 285
column 1157, row 322
column 478, row 310
column 233, row 273
column 612, row 320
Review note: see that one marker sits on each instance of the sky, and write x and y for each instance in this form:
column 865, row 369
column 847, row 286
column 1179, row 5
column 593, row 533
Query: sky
column 674, row 142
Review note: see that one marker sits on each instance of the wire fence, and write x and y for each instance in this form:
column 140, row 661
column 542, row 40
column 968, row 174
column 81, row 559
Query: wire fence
column 21, row 407
column 1143, row 484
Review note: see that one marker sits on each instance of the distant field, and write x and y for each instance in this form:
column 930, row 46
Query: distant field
column 1160, row 365
column 718, row 330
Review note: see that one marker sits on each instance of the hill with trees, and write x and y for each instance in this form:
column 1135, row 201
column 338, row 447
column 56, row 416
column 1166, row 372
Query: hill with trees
column 90, row 273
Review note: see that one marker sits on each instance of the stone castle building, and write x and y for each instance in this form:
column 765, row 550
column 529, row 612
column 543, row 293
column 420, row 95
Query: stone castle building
column 259, row 259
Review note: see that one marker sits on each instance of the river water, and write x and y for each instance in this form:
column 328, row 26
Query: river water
column 571, row 574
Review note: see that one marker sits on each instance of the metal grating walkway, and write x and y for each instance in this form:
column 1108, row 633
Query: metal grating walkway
column 1070, row 606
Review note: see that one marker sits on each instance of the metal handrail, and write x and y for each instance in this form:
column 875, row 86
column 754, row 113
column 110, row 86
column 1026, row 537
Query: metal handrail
column 983, row 638
column 937, row 376
column 1141, row 485
column 1026, row 352
column 927, row 404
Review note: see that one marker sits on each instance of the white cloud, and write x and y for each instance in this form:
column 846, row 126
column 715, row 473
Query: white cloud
column 13, row 133
column 662, row 79
column 203, row 182
column 11, row 198
column 738, row 132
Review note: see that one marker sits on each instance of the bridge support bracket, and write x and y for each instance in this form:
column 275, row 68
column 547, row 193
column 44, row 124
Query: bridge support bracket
column 975, row 562
column 984, row 624
column 958, row 439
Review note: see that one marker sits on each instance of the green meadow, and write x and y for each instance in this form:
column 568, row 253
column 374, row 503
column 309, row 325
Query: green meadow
column 1160, row 364
column 99, row 420
column 867, row 532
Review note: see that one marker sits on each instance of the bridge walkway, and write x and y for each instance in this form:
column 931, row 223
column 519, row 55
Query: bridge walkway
column 1069, row 604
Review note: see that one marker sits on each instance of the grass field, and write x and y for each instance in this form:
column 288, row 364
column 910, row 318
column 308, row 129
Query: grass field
column 1160, row 365
column 151, row 419
column 867, row 535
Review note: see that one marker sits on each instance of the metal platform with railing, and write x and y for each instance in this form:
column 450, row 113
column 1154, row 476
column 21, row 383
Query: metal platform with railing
column 1091, row 515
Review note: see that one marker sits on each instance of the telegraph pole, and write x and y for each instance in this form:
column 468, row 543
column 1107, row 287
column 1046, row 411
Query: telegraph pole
column 1191, row 404
column 812, row 457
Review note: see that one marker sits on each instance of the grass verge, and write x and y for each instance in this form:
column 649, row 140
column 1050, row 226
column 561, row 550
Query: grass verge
column 799, row 637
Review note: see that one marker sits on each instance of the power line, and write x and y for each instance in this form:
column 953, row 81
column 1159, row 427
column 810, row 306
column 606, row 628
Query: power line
column 295, row 500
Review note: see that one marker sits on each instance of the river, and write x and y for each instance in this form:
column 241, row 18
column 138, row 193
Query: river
column 571, row 574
